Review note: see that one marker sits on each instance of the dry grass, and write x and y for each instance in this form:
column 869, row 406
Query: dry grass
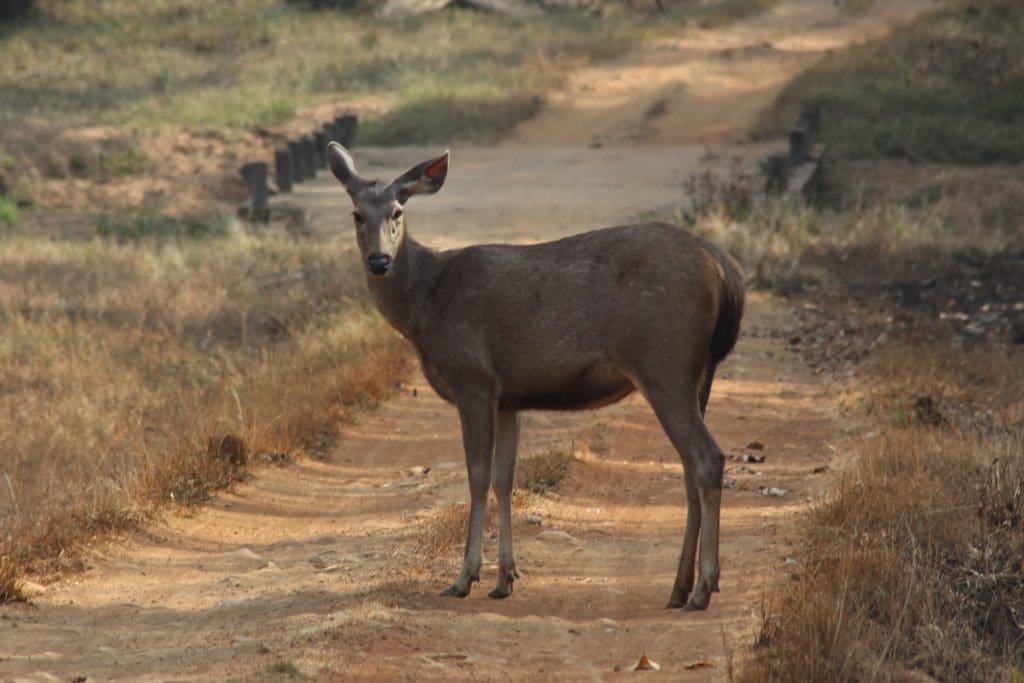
column 541, row 472
column 121, row 364
column 780, row 242
column 914, row 562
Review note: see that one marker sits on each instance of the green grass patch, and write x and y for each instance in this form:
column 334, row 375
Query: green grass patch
column 147, row 222
column 8, row 213
column 947, row 88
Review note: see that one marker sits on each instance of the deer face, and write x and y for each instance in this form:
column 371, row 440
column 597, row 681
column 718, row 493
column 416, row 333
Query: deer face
column 379, row 208
column 379, row 229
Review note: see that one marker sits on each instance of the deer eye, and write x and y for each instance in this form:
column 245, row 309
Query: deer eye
column 357, row 216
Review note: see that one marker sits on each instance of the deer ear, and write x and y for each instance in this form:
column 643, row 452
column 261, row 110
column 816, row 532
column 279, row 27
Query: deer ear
column 344, row 169
column 425, row 178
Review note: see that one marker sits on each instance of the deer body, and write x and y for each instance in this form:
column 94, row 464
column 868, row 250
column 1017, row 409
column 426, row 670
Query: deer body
column 577, row 323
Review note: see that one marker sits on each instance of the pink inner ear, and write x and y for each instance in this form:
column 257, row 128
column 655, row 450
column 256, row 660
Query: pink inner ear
column 434, row 170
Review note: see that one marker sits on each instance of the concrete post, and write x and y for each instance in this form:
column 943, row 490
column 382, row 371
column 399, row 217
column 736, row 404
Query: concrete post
column 255, row 174
column 283, row 169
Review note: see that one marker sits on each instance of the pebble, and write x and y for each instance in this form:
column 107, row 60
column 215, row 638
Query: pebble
column 534, row 519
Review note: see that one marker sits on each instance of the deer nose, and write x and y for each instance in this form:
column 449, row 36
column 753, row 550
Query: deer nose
column 379, row 264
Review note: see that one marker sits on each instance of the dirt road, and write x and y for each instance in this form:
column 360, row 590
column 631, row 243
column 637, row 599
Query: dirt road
column 319, row 568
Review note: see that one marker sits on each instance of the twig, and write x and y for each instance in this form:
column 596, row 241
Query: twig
column 10, row 487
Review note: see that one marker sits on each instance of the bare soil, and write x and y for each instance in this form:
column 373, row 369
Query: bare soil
column 318, row 568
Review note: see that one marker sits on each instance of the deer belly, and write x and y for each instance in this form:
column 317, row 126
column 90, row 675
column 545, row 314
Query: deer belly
column 588, row 389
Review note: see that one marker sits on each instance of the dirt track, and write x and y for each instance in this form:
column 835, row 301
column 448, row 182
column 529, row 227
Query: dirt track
column 317, row 564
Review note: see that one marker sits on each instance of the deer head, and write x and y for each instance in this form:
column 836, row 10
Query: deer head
column 378, row 208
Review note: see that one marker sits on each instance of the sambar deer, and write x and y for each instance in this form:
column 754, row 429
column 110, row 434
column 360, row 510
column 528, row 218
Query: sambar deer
column 576, row 323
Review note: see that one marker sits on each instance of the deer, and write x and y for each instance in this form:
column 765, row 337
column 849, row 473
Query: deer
column 572, row 324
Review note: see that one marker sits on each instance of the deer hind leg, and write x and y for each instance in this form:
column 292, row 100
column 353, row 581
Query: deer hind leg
column 502, row 477
column 685, row 575
column 679, row 411
column 687, row 558
column 478, row 426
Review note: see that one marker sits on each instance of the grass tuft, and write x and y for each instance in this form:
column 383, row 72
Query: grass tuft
column 544, row 471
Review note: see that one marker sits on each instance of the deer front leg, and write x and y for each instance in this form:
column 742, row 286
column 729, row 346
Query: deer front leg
column 478, row 420
column 502, row 478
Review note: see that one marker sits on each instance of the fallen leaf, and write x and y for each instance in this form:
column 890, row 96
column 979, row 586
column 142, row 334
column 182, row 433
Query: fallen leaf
column 644, row 664
column 699, row 664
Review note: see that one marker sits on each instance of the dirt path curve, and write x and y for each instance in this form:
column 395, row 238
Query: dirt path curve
column 319, row 567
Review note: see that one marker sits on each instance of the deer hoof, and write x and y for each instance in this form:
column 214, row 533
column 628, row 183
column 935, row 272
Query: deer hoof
column 454, row 591
column 673, row 604
column 500, row 593
column 692, row 606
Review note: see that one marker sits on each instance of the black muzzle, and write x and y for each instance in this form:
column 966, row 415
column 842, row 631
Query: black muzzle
column 378, row 264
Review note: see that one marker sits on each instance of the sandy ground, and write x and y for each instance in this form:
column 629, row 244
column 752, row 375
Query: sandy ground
column 318, row 568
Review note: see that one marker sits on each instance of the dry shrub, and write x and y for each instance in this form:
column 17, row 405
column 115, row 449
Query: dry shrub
column 446, row 529
column 543, row 471
column 120, row 363
column 915, row 560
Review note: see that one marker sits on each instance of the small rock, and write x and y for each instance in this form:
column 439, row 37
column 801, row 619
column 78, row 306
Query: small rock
column 609, row 625
column 821, row 469
column 418, row 471
column 106, row 649
column 555, row 536
column 534, row 519
column 772, row 491
column 755, row 446
column 266, row 648
column 750, row 457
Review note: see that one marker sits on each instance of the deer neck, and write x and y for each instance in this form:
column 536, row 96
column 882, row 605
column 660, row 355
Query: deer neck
column 401, row 297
